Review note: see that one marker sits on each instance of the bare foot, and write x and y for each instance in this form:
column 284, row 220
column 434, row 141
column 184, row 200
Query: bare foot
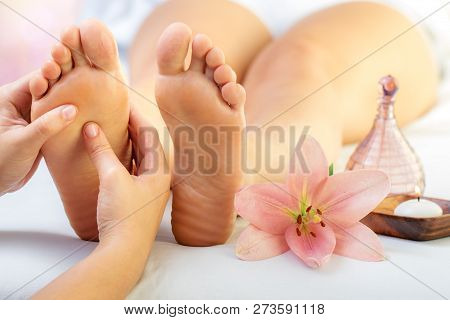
column 85, row 72
column 204, row 98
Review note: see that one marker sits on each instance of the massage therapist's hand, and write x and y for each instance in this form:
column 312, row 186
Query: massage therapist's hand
column 130, row 206
column 20, row 140
column 129, row 211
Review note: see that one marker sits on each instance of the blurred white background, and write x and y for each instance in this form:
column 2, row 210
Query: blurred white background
column 24, row 45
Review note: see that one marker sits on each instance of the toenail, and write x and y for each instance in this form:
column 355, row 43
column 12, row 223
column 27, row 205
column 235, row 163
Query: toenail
column 91, row 130
column 69, row 113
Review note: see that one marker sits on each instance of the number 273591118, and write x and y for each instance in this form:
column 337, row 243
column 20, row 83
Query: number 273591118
column 288, row 308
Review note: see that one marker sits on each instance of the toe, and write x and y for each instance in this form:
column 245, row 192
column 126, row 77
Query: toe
column 224, row 74
column 38, row 86
column 51, row 71
column 234, row 94
column 99, row 45
column 200, row 47
column 72, row 39
column 214, row 59
column 62, row 56
column 172, row 48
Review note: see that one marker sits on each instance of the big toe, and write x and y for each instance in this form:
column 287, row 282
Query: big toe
column 172, row 48
column 99, row 45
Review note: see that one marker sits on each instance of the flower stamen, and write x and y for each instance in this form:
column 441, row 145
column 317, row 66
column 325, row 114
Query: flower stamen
column 322, row 224
column 298, row 232
column 316, row 218
column 313, row 234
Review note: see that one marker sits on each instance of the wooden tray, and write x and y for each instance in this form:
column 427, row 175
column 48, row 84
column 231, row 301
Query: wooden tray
column 383, row 221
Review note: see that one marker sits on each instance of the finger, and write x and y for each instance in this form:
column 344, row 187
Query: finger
column 135, row 153
column 21, row 85
column 132, row 131
column 142, row 132
column 137, row 119
column 18, row 93
column 145, row 137
column 152, row 155
column 35, row 134
column 137, row 124
column 30, row 173
column 100, row 151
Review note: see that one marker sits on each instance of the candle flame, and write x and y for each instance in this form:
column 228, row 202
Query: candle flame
column 417, row 192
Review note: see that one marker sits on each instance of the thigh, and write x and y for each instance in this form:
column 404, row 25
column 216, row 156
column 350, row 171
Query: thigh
column 350, row 47
column 233, row 28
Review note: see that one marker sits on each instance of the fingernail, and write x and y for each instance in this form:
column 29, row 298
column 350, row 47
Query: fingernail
column 69, row 113
column 91, row 130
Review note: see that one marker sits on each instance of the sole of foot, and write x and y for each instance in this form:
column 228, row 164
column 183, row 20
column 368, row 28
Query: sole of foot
column 203, row 108
column 84, row 71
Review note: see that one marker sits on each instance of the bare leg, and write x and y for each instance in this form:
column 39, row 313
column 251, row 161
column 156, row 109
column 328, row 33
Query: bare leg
column 320, row 47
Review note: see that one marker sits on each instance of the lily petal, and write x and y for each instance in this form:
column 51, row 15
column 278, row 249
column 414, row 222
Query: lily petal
column 308, row 168
column 347, row 197
column 358, row 242
column 314, row 251
column 265, row 206
column 254, row 244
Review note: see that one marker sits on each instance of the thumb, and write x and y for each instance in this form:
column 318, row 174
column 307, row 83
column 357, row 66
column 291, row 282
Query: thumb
column 100, row 151
column 49, row 124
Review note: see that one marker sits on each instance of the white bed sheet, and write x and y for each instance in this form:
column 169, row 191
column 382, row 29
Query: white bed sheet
column 37, row 244
column 414, row 270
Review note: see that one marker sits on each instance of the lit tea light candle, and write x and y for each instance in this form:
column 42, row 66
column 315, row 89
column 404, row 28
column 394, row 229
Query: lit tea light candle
column 418, row 208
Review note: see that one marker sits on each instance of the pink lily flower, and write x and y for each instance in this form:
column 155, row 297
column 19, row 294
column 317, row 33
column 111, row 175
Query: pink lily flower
column 313, row 214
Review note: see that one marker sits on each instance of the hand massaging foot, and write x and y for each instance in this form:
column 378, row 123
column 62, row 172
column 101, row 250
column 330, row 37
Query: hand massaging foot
column 85, row 72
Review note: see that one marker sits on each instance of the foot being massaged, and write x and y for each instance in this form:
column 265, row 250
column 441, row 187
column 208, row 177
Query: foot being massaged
column 100, row 135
